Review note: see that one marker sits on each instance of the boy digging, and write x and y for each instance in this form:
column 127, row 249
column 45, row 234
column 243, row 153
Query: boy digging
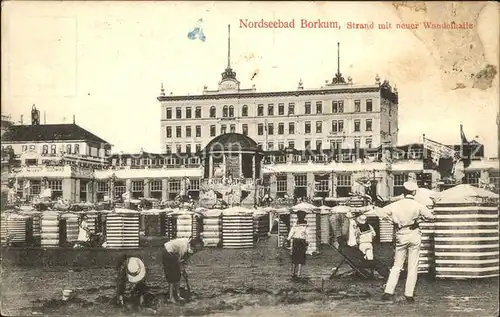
column 174, row 255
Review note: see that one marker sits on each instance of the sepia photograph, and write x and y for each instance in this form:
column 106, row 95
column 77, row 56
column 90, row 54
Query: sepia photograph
column 197, row 158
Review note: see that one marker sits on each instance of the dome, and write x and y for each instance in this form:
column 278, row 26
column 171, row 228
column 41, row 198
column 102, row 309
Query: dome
column 231, row 142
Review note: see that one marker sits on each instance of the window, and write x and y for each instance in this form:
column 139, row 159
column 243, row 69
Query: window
column 178, row 113
column 198, row 148
column 76, row 149
column 319, row 145
column 357, row 105
column 357, row 125
column 281, row 146
column 357, row 143
column 198, row 131
column 301, row 180
column 212, row 112
column 223, row 129
column 188, row 131
column 270, row 128
column 179, row 148
column 260, row 110
column 24, row 148
column 270, row 146
column 344, row 180
column 307, row 144
column 400, row 179
column 178, row 131
column 334, row 126
column 231, row 112
column 307, row 108
column 188, row 148
column 244, row 128
column 335, row 144
column 307, row 127
column 188, row 113
column 319, row 106
column 168, row 148
column 472, row 178
column 341, row 125
column 156, row 186
column 32, row 147
column 45, row 149
column 319, row 126
column 232, row 128
column 281, row 128
column 368, row 124
column 337, row 106
column 137, row 186
column 291, row 108
column 369, row 143
column 197, row 113
column 169, row 113
column 270, row 109
column 53, row 149
column 55, row 185
column 369, row 105
column 244, row 111
column 281, row 185
column 68, row 148
column 260, row 129
column 390, row 128
column 291, row 144
column 291, row 128
column 174, row 186
column 102, row 187
column 281, row 109
column 212, row 130
column 322, row 185
column 225, row 112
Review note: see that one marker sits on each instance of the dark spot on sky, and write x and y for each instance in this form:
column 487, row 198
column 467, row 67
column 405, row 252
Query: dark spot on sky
column 484, row 79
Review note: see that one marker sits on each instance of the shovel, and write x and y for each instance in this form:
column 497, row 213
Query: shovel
column 188, row 289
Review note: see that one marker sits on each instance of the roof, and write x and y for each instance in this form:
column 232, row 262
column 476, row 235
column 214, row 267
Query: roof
column 385, row 93
column 231, row 142
column 49, row 132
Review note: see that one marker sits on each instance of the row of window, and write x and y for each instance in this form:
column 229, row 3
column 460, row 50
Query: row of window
column 337, row 126
column 70, row 149
column 229, row 111
column 272, row 146
column 321, row 185
column 155, row 186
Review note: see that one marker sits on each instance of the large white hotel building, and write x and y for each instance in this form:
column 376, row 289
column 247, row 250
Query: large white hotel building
column 339, row 114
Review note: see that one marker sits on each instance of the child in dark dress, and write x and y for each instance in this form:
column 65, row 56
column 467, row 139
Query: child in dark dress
column 298, row 238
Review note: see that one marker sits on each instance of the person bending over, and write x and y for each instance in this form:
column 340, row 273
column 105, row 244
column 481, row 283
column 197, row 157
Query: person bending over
column 174, row 255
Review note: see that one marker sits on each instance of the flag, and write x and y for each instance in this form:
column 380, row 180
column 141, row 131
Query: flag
column 27, row 184
column 197, row 32
column 466, row 148
column 443, row 157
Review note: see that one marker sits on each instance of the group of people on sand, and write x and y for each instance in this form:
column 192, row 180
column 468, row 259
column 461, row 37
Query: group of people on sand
column 405, row 214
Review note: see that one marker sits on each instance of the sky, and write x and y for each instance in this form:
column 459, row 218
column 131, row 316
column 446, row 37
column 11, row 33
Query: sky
column 104, row 62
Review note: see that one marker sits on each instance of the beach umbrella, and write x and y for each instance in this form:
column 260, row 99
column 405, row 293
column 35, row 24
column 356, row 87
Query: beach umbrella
column 464, row 193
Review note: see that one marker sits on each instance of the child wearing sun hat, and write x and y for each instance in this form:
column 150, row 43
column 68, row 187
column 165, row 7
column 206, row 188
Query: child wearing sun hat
column 130, row 271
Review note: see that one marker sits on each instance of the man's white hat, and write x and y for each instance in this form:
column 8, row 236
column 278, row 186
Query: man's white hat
column 410, row 186
column 135, row 270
